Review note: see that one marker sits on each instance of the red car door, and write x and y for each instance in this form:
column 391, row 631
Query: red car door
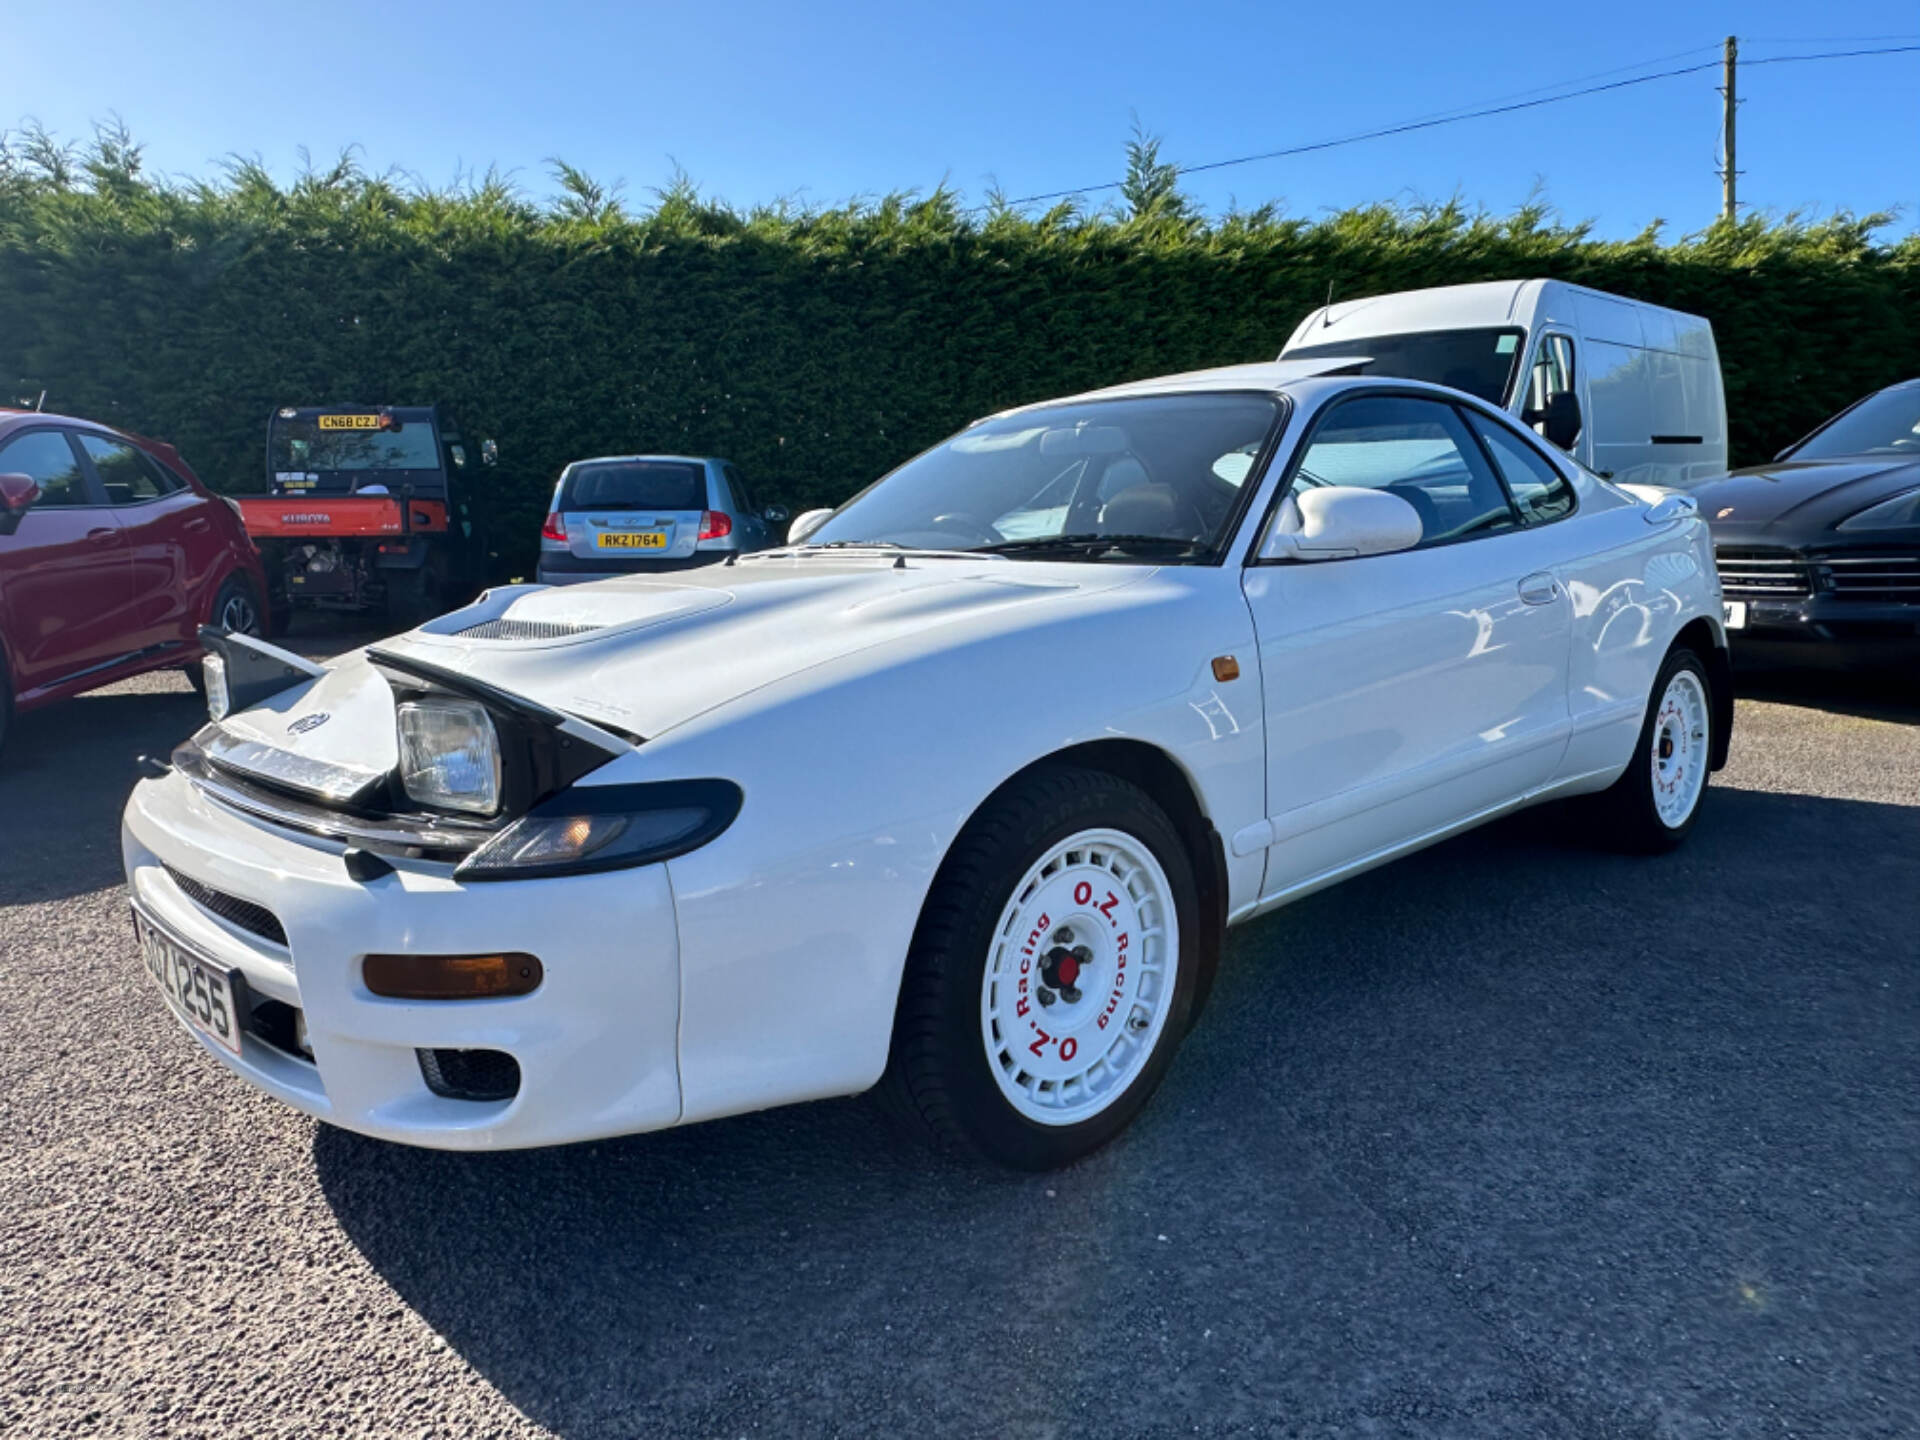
column 169, row 538
column 65, row 579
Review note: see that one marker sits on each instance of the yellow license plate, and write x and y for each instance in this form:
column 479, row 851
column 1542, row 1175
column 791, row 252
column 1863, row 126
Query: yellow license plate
column 633, row 540
column 349, row 422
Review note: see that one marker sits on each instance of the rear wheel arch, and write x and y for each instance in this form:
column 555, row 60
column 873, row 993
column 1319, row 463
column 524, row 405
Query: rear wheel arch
column 1699, row 636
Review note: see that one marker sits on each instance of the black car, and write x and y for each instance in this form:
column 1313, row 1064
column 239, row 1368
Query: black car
column 1819, row 552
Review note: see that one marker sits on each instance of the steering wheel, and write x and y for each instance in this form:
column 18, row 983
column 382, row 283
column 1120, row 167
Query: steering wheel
column 972, row 526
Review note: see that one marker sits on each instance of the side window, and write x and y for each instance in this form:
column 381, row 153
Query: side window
column 1540, row 491
column 128, row 475
column 46, row 456
column 1552, row 375
column 1414, row 448
column 737, row 483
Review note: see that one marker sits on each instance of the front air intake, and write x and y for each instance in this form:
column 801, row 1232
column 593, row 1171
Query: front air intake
column 470, row 1074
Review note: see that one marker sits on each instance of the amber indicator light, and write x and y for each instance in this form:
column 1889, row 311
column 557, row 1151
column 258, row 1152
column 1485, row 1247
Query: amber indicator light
column 451, row 977
column 1225, row 668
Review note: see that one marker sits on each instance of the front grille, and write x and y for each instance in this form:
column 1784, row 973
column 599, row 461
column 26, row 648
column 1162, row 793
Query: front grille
column 1762, row 574
column 1885, row 579
column 254, row 919
column 470, row 1074
column 526, row 630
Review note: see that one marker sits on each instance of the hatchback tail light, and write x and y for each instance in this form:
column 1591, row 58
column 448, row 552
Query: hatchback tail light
column 554, row 528
column 715, row 525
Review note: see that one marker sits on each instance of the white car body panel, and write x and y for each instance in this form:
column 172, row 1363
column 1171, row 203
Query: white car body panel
column 867, row 704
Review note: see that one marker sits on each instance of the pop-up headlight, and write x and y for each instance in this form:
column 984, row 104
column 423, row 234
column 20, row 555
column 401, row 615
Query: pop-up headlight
column 449, row 755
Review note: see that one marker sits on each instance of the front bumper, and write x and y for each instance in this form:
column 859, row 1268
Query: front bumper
column 1826, row 630
column 596, row 1044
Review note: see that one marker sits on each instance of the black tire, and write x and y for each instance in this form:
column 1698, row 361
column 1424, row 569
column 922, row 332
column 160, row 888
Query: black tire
column 235, row 608
column 939, row 1079
column 412, row 596
column 1629, row 815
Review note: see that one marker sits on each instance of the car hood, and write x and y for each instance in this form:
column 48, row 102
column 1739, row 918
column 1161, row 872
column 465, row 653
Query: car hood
column 1800, row 499
column 642, row 654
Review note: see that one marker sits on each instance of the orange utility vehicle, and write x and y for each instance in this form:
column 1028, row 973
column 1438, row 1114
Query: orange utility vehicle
column 368, row 507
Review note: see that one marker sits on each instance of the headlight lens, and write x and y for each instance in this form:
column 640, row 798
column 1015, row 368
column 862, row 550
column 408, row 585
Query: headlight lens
column 213, row 670
column 449, row 755
column 1895, row 514
column 607, row 827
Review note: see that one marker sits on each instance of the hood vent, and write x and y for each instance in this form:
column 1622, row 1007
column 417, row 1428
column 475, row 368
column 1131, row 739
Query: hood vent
column 504, row 629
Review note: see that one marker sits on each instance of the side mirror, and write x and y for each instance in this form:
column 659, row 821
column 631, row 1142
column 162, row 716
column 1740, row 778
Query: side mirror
column 1561, row 420
column 17, row 494
column 1341, row 522
column 809, row 521
column 489, row 453
column 774, row 515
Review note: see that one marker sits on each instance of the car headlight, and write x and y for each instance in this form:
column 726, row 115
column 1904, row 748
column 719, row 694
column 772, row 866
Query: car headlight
column 1895, row 514
column 449, row 755
column 590, row 828
column 213, row 670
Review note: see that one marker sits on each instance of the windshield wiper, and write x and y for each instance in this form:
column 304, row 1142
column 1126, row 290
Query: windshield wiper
column 1091, row 544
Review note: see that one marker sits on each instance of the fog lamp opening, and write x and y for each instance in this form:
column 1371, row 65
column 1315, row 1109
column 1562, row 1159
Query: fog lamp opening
column 452, row 977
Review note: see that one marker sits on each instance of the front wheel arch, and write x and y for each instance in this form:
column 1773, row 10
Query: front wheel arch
column 1699, row 636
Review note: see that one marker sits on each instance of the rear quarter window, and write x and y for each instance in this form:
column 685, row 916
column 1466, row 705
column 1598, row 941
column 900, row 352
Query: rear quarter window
column 636, row 485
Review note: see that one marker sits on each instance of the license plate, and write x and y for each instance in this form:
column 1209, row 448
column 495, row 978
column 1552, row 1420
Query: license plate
column 198, row 991
column 1736, row 618
column 633, row 540
column 348, row 422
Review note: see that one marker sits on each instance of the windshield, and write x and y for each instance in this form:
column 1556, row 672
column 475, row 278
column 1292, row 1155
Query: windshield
column 1883, row 424
column 353, row 442
column 1159, row 475
column 1480, row 362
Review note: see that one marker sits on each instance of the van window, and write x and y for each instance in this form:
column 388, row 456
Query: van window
column 1480, row 362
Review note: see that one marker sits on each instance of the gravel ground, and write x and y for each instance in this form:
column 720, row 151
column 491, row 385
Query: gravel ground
column 1512, row 1138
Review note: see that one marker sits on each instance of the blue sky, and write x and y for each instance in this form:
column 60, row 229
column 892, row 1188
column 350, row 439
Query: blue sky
column 829, row 100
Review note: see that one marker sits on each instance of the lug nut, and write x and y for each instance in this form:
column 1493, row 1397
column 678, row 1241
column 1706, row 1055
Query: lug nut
column 1070, row 994
column 1063, row 936
column 1046, row 996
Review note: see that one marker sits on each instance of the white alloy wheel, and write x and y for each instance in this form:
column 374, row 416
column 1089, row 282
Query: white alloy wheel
column 1679, row 751
column 1080, row 977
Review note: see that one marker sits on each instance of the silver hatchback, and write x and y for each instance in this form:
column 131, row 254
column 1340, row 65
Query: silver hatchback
column 621, row 514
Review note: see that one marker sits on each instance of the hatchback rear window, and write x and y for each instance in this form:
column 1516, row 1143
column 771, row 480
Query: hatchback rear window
column 636, row 485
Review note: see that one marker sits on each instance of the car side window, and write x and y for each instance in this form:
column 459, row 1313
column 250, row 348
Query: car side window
column 47, row 457
column 1417, row 449
column 128, row 475
column 1540, row 491
column 737, row 483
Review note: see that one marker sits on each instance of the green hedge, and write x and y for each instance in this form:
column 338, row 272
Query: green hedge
column 815, row 349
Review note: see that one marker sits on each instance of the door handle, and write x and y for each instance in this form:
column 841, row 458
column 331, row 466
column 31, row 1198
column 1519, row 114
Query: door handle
column 102, row 532
column 1540, row 588
column 197, row 524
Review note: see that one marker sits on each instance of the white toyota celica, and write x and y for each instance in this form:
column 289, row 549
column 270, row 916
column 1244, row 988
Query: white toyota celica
column 956, row 793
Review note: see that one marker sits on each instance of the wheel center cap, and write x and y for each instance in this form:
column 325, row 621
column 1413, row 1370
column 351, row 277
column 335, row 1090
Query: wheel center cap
column 1061, row 968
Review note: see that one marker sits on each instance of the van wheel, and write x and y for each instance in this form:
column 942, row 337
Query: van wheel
column 1652, row 807
column 1052, row 974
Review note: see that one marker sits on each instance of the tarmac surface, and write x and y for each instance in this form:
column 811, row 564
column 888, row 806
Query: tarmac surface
column 1514, row 1137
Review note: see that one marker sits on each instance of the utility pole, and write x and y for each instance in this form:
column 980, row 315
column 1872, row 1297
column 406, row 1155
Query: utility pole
column 1729, row 205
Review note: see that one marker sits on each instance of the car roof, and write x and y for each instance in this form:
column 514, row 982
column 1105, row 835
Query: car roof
column 671, row 459
column 1271, row 375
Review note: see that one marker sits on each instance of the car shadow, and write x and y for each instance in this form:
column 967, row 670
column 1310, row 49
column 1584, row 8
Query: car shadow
column 1389, row 1175
column 1889, row 694
column 65, row 776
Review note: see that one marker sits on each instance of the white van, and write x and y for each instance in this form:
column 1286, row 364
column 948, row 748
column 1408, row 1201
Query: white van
column 1631, row 391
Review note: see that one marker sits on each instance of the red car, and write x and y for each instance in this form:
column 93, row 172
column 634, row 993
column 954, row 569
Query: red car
column 112, row 556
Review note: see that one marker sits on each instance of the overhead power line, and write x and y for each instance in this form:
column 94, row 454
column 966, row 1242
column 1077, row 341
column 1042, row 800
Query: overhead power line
column 1407, row 127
